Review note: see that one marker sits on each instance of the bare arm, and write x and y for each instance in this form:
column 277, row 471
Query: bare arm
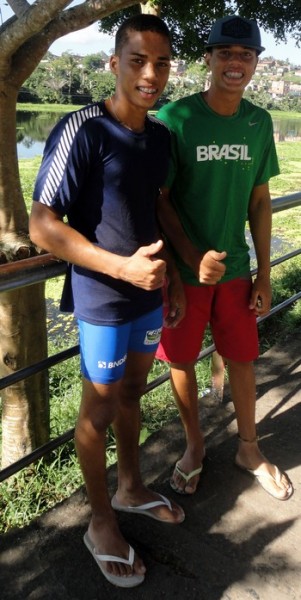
column 143, row 269
column 175, row 296
column 207, row 267
column 260, row 219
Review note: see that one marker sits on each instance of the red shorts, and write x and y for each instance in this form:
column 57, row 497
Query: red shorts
column 225, row 307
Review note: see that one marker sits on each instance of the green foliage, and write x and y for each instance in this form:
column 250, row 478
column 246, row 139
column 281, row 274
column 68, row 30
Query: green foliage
column 103, row 86
column 190, row 22
column 58, row 109
column 64, row 79
column 286, row 279
column 28, row 173
column 260, row 98
column 289, row 180
column 67, row 79
column 55, row 80
column 36, row 489
column 93, row 62
column 191, row 82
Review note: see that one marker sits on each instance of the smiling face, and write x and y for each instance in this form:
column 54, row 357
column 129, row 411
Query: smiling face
column 232, row 67
column 142, row 68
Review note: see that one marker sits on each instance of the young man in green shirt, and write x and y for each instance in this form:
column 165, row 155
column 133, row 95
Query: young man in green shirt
column 223, row 158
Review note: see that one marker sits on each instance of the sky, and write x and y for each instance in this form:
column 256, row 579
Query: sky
column 91, row 41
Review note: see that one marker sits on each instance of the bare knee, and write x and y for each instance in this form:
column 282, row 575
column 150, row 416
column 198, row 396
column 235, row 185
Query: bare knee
column 98, row 407
column 132, row 388
column 240, row 367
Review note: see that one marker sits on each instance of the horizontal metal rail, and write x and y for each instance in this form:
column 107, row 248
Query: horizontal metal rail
column 286, row 202
column 29, row 271
column 40, row 268
column 45, row 266
column 50, row 361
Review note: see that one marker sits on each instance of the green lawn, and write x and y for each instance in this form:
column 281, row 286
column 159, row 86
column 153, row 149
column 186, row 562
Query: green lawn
column 289, row 180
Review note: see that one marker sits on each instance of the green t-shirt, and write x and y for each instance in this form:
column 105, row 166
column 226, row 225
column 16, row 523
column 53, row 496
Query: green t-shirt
column 216, row 163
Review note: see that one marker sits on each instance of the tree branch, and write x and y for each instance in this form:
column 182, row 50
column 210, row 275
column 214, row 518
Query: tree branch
column 67, row 21
column 19, row 7
column 34, row 18
column 48, row 22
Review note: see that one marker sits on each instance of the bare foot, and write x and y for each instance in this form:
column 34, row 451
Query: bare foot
column 250, row 458
column 166, row 511
column 187, row 472
column 107, row 539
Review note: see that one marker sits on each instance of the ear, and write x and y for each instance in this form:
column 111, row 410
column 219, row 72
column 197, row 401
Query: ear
column 114, row 63
column 207, row 58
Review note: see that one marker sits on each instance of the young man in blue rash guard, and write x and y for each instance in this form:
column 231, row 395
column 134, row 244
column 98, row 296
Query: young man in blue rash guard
column 102, row 168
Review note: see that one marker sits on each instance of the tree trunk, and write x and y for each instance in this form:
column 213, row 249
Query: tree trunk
column 23, row 335
column 23, row 341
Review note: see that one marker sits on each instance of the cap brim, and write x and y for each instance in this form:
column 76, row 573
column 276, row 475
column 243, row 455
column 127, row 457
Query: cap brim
column 258, row 48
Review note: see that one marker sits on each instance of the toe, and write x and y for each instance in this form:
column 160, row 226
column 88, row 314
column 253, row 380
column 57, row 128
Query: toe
column 285, row 488
column 177, row 482
column 177, row 512
column 191, row 486
column 138, row 566
column 175, row 515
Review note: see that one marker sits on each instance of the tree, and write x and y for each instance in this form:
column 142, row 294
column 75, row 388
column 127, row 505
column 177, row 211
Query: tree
column 103, row 86
column 190, row 22
column 24, row 39
column 94, row 62
column 65, row 69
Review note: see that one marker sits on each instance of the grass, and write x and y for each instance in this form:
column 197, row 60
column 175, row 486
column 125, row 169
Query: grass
column 28, row 107
column 279, row 114
column 47, row 107
column 35, row 489
column 289, row 180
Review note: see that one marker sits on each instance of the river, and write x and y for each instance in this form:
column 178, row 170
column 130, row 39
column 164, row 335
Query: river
column 33, row 129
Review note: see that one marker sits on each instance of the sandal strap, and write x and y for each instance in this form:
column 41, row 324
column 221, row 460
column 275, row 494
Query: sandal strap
column 188, row 476
column 110, row 558
column 260, row 473
column 163, row 502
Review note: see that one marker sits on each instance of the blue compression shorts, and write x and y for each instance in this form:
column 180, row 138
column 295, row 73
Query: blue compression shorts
column 104, row 348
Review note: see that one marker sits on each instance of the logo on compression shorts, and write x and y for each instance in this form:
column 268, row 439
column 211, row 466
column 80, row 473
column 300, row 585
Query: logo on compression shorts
column 224, row 152
column 152, row 336
column 103, row 364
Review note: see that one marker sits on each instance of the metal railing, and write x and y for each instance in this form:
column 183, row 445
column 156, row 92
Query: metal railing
column 40, row 268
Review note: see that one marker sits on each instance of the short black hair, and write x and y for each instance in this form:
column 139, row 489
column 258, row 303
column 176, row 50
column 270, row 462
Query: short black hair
column 140, row 22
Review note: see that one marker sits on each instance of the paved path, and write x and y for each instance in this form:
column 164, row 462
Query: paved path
column 236, row 543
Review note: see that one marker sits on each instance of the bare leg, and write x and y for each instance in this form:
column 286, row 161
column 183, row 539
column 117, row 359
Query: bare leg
column 217, row 375
column 184, row 385
column 131, row 491
column 243, row 389
column 97, row 411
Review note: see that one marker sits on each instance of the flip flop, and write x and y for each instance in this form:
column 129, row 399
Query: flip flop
column 146, row 509
column 264, row 479
column 186, row 476
column 120, row 581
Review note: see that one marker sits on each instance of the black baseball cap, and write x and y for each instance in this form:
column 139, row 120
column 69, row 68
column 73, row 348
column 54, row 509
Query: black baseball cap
column 235, row 31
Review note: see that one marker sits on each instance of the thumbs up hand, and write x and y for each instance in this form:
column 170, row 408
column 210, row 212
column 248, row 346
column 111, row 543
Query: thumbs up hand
column 144, row 269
